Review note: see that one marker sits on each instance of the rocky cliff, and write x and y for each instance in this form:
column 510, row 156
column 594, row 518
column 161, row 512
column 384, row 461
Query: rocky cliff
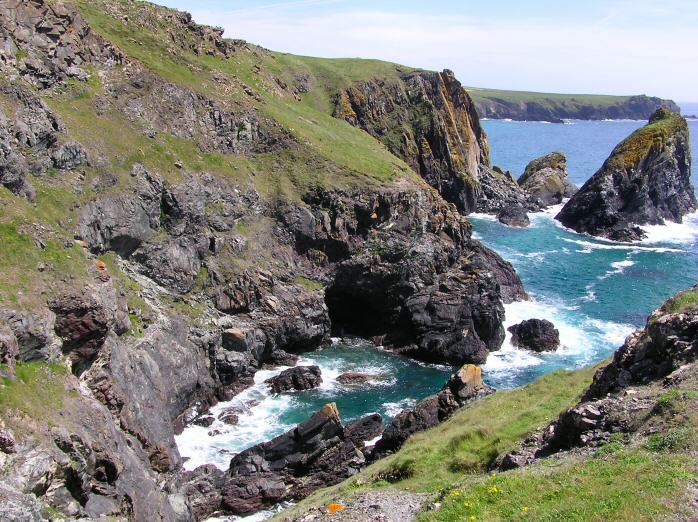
column 645, row 181
column 533, row 106
column 177, row 214
column 429, row 120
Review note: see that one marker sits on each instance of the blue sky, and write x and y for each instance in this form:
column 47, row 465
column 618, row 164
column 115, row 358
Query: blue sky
column 613, row 46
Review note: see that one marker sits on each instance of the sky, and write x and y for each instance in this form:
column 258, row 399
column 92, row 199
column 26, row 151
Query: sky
column 585, row 46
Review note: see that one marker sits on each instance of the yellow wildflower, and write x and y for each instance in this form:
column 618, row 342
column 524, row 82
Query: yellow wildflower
column 493, row 489
column 524, row 509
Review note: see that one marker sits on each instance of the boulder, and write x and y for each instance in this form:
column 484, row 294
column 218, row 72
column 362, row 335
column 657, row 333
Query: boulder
column 364, row 429
column 645, row 181
column 538, row 335
column 545, row 180
column 514, row 216
column 296, row 379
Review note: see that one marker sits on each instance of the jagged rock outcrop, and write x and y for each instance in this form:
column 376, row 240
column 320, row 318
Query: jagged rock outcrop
column 538, row 335
column 545, row 180
column 297, row 378
column 364, row 429
column 47, row 42
column 556, row 108
column 463, row 386
column 31, row 137
column 645, row 181
column 429, row 120
column 314, row 454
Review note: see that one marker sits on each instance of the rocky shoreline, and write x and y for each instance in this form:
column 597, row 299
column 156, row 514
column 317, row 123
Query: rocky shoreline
column 175, row 229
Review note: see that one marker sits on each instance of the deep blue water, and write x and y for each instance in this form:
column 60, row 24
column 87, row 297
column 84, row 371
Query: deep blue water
column 596, row 292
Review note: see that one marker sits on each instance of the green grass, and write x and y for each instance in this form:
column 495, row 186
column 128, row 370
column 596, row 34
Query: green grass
column 21, row 282
column 599, row 100
column 37, row 391
column 360, row 159
column 682, row 302
column 627, row 485
column 309, row 284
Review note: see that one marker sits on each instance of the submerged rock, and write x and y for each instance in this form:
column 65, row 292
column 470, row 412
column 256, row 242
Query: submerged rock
column 545, row 180
column 297, row 378
column 356, row 377
column 538, row 335
column 645, row 181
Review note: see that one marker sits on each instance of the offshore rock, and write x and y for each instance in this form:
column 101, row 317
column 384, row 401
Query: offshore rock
column 514, row 217
column 364, row 429
column 545, row 180
column 645, row 181
column 295, row 379
column 538, row 335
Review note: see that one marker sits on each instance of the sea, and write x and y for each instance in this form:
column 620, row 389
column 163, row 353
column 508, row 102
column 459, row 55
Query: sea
column 596, row 292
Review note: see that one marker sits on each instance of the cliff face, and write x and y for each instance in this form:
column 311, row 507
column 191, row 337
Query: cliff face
column 429, row 120
column 645, row 180
column 500, row 105
column 176, row 219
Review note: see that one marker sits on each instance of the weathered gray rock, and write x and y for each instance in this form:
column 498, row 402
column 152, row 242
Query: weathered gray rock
column 364, row 429
column 55, row 48
column 545, row 180
column 123, row 222
column 33, row 333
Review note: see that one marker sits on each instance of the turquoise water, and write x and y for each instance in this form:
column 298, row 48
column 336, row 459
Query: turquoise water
column 596, row 293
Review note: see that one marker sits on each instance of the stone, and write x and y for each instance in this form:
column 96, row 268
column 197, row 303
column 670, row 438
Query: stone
column 645, row 181
column 545, row 180
column 296, row 379
column 9, row 348
column 538, row 335
column 462, row 387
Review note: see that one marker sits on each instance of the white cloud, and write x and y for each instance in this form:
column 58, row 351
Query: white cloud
column 602, row 57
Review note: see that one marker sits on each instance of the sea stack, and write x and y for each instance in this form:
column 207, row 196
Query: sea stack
column 645, row 181
column 545, row 180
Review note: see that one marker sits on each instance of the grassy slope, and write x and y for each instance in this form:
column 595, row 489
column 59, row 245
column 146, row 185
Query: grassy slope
column 452, row 460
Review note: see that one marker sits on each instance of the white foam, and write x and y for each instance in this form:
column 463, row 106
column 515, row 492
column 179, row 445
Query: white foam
column 681, row 233
column 483, row 216
column 393, row 408
column 618, row 246
column 618, row 268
